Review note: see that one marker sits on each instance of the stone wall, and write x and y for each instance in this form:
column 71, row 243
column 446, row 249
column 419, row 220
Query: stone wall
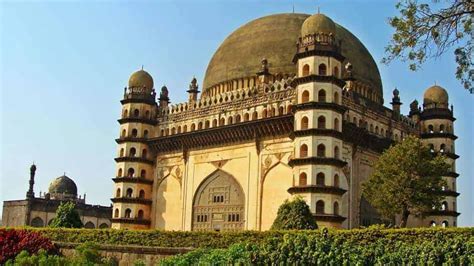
column 127, row 255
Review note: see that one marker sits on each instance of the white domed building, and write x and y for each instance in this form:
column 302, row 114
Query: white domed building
column 291, row 104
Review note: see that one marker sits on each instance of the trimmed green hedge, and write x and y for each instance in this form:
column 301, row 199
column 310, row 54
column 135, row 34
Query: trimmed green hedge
column 223, row 240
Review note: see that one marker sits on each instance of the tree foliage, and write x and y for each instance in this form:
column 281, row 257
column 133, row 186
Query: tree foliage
column 424, row 31
column 406, row 180
column 67, row 216
column 294, row 215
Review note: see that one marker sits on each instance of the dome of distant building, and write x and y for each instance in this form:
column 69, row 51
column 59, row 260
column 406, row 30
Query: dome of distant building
column 274, row 38
column 63, row 185
column 435, row 95
column 141, row 79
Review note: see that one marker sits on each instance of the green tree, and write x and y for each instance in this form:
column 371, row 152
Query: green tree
column 67, row 216
column 294, row 215
column 406, row 180
column 424, row 31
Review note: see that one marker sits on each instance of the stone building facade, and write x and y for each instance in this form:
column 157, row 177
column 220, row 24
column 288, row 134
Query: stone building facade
column 308, row 119
column 40, row 211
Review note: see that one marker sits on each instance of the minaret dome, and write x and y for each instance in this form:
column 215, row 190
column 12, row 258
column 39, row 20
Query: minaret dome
column 141, row 79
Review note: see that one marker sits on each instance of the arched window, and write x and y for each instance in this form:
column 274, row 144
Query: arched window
column 336, row 152
column 237, row 118
column 441, row 128
column 128, row 213
column 336, row 124
column 145, row 133
column 335, row 71
column 321, row 150
column 336, row 180
column 320, row 207
column 430, row 129
column 289, row 109
column 222, row 121
column 264, row 113
column 303, row 179
column 134, row 132
column 303, row 151
column 254, row 115
column 179, row 129
column 305, row 70
column 129, row 193
column 322, row 96
column 371, row 128
column 230, row 120
column 336, row 208
column 336, row 98
column 125, row 113
column 207, row 124
column 444, row 224
column 147, row 114
column 141, row 194
column 117, row 194
column 214, row 123
column 431, row 147
column 122, row 151
column 320, row 179
column 433, row 224
column 272, row 112
column 143, row 174
column 442, row 148
column 132, row 152
column 124, row 133
column 304, row 122
column 136, row 113
column 144, row 153
column 173, row 131
column 281, row 110
column 131, row 172
column 321, row 122
column 162, row 132
column 120, row 172
column 444, row 206
column 246, row 117
column 185, row 128
column 354, row 120
column 305, row 97
column 322, row 70
column 116, row 213
column 199, row 125
column 377, row 130
column 193, row 127
column 361, row 123
column 140, row 214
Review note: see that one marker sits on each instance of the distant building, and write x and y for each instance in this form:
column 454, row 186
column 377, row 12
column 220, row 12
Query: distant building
column 292, row 104
column 39, row 211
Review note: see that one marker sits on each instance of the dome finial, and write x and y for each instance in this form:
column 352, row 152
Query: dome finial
column 142, row 67
column 319, row 12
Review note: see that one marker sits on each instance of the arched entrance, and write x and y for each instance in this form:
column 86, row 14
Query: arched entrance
column 218, row 204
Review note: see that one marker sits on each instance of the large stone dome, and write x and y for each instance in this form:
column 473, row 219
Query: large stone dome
column 140, row 79
column 63, row 185
column 274, row 38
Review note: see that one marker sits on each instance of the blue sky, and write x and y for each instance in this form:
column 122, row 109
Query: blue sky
column 64, row 64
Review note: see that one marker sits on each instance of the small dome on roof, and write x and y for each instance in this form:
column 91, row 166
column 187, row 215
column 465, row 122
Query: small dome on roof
column 140, row 79
column 63, row 185
column 318, row 23
column 436, row 95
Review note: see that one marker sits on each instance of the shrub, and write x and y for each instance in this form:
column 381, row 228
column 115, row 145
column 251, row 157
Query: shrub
column 294, row 215
column 15, row 241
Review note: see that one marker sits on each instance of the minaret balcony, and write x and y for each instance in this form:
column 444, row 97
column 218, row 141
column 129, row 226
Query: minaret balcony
column 319, row 78
column 335, row 218
column 317, row 161
column 437, row 113
column 452, row 174
column 451, row 193
column 318, row 132
column 131, row 221
column 134, row 159
column 130, row 139
column 135, row 200
column 129, row 179
column 317, row 189
column 438, row 135
column 443, row 213
column 139, row 119
column 320, row 106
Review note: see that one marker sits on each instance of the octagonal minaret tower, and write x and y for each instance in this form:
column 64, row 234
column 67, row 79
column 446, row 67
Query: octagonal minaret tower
column 437, row 131
column 134, row 171
column 317, row 164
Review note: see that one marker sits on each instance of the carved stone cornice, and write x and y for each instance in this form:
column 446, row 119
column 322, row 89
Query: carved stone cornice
column 134, row 159
column 438, row 135
column 130, row 139
column 443, row 213
column 317, row 160
column 130, row 221
column 131, row 200
column 318, row 132
column 318, row 78
column 138, row 180
column 361, row 137
column 317, row 189
column 143, row 120
column 278, row 126
column 320, row 106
